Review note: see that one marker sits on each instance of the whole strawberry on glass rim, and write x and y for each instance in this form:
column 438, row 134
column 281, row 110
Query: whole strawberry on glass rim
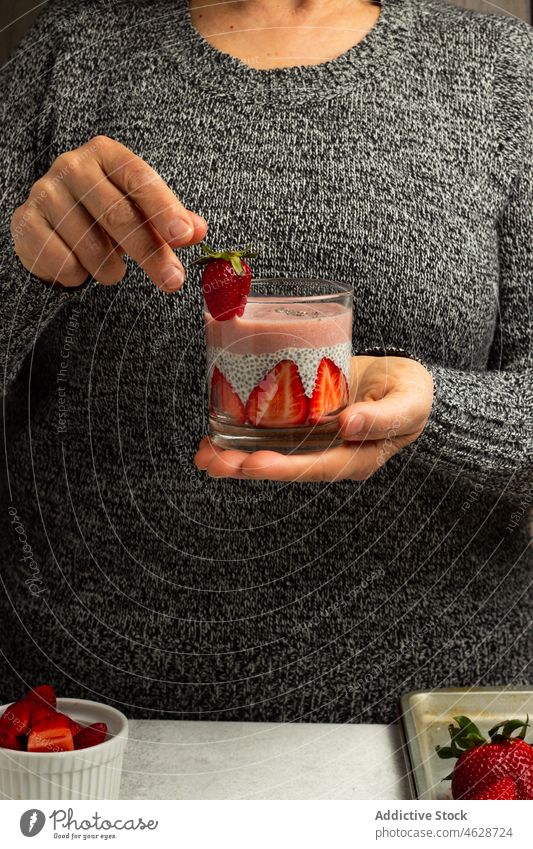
column 226, row 281
column 498, row 768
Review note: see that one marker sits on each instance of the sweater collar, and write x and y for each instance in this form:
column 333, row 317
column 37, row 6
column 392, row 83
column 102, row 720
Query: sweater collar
column 210, row 68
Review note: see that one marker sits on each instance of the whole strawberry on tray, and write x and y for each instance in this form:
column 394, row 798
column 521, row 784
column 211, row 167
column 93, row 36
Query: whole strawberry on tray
column 34, row 724
column 498, row 768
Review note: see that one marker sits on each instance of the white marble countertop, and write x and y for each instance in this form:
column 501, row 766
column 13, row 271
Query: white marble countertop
column 237, row 760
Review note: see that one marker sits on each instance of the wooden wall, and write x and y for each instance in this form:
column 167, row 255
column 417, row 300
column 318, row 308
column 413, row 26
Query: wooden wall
column 17, row 15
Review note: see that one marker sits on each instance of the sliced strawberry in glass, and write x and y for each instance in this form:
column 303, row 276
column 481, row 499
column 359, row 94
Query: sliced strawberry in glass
column 279, row 400
column 224, row 400
column 330, row 392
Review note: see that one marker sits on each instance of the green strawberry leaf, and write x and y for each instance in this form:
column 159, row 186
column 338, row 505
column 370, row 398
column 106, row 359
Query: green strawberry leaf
column 444, row 752
column 469, row 728
column 507, row 728
column 235, row 257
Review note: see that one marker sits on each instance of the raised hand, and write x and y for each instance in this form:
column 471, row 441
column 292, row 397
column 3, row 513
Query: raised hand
column 95, row 204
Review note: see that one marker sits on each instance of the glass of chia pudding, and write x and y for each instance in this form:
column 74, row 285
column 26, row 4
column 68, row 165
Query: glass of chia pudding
column 279, row 369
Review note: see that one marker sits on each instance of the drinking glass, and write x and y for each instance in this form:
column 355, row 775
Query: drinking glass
column 279, row 375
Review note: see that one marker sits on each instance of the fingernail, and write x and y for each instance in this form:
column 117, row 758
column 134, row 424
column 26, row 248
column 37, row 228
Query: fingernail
column 172, row 278
column 181, row 229
column 354, row 424
column 198, row 220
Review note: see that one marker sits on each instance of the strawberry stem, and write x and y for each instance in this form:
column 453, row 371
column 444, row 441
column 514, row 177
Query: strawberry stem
column 466, row 735
column 235, row 257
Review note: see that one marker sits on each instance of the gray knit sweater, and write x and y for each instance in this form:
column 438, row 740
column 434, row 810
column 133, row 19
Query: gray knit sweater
column 403, row 167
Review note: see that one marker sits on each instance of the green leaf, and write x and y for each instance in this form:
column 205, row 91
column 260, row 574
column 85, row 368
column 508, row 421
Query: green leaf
column 463, row 736
column 507, row 729
column 444, row 752
column 235, row 257
column 513, row 725
column 469, row 728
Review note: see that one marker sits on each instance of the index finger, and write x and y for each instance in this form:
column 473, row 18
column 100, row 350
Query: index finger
column 177, row 225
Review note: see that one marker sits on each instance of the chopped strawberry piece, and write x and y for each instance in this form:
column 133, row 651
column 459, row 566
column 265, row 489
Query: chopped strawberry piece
column 54, row 720
column 18, row 716
column 53, row 740
column 224, row 400
column 279, row 400
column 330, row 393
column 39, row 712
column 93, row 735
column 43, row 702
column 43, row 694
column 8, row 740
column 74, row 726
column 51, row 734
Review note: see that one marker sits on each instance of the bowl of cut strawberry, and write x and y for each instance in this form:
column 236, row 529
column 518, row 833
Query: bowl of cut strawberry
column 54, row 748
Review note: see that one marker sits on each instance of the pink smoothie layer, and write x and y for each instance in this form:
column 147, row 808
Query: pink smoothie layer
column 266, row 327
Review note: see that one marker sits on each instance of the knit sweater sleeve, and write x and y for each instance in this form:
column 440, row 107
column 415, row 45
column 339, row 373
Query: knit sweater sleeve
column 26, row 304
column 481, row 426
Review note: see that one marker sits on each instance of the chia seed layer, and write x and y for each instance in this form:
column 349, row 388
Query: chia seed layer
column 244, row 371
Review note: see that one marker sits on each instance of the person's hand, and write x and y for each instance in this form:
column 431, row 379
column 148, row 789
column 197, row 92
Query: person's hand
column 95, row 205
column 391, row 402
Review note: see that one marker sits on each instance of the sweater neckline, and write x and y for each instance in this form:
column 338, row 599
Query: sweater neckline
column 225, row 74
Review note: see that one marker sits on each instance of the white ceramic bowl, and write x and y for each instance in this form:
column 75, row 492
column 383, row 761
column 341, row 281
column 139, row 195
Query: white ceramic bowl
column 92, row 773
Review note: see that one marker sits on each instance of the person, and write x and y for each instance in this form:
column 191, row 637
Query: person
column 387, row 147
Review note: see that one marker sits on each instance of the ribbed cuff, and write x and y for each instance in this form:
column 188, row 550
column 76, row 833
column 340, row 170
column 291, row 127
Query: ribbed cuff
column 389, row 351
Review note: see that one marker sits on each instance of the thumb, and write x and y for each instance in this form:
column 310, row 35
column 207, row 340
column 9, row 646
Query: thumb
column 394, row 415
